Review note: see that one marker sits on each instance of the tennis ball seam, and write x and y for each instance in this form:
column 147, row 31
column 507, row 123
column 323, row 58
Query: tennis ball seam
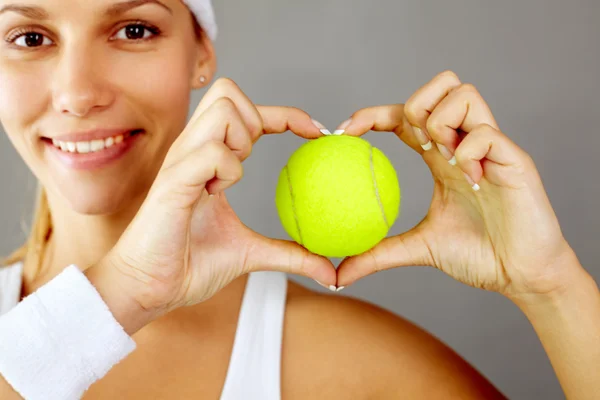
column 377, row 195
column 289, row 180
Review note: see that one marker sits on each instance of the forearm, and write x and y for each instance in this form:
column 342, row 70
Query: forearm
column 568, row 325
column 7, row 392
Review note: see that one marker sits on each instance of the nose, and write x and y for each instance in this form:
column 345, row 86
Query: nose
column 79, row 86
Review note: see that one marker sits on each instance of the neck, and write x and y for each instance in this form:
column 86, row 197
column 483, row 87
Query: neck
column 77, row 239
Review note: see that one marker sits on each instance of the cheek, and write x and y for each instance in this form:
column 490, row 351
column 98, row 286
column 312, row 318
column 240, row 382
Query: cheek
column 22, row 98
column 159, row 88
column 22, row 102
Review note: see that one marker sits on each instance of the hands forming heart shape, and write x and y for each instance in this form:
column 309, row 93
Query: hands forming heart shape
column 490, row 224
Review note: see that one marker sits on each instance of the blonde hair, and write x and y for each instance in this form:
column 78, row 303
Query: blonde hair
column 31, row 253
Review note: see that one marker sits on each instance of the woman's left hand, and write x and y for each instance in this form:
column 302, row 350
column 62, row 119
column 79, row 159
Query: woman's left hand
column 490, row 224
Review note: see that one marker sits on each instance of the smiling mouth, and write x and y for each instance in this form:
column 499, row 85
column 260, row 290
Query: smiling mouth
column 91, row 146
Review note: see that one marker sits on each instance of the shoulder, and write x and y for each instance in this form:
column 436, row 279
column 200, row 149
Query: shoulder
column 342, row 347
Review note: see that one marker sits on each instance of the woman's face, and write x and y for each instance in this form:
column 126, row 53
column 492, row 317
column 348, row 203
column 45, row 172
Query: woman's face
column 93, row 93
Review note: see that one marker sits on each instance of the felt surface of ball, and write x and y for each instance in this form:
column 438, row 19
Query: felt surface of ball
column 338, row 196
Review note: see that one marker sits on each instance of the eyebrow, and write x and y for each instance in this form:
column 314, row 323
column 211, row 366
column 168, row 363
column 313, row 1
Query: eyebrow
column 114, row 10
column 27, row 11
column 120, row 8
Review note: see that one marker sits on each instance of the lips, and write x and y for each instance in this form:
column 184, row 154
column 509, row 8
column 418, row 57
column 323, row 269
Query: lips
column 91, row 142
column 90, row 135
column 92, row 149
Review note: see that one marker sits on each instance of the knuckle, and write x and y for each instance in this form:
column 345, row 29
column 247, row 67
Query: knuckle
column 224, row 105
column 448, row 79
column 528, row 160
column 448, row 74
column 435, row 125
column 412, row 111
column 244, row 151
column 375, row 260
column 359, row 113
column 297, row 111
column 255, row 127
column 463, row 153
column 239, row 171
column 300, row 262
column 525, row 159
column 226, row 85
column 467, row 88
column 484, row 128
column 465, row 149
column 247, row 149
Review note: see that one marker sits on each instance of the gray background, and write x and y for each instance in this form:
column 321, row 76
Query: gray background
column 535, row 62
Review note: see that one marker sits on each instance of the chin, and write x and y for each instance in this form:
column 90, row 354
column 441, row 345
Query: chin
column 95, row 205
column 94, row 199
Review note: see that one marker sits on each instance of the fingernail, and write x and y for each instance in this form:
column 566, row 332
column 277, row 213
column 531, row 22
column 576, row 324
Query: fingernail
column 422, row 138
column 342, row 128
column 472, row 182
column 447, row 154
column 340, row 288
column 321, row 127
column 330, row 287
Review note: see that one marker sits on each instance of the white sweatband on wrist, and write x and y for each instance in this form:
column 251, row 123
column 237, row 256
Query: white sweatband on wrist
column 205, row 15
column 60, row 339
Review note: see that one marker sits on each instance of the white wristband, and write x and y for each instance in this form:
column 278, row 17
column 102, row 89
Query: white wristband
column 60, row 339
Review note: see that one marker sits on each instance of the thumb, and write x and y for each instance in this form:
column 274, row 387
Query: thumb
column 405, row 250
column 266, row 254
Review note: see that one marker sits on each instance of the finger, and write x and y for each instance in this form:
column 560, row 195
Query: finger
column 422, row 103
column 261, row 119
column 407, row 249
column 223, row 121
column 281, row 255
column 463, row 109
column 278, row 119
column 385, row 118
column 220, row 122
column 182, row 183
column 224, row 87
column 407, row 121
column 214, row 162
column 486, row 151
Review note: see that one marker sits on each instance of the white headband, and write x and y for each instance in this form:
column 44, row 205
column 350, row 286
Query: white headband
column 205, row 16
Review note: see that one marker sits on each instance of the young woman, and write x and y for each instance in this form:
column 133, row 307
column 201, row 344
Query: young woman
column 139, row 281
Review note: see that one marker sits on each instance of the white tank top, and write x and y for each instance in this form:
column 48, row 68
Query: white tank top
column 255, row 365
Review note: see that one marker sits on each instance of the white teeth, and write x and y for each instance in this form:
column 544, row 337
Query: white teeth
column 88, row 146
column 97, row 145
column 83, row 147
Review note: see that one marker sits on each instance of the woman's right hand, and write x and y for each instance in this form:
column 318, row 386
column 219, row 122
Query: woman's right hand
column 186, row 243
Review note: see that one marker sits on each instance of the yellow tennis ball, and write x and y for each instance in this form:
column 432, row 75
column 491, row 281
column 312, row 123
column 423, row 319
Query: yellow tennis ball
column 338, row 196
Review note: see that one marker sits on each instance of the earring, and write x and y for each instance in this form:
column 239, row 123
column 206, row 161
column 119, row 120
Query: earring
column 202, row 79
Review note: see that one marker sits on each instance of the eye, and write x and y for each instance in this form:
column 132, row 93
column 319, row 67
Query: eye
column 30, row 39
column 137, row 31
